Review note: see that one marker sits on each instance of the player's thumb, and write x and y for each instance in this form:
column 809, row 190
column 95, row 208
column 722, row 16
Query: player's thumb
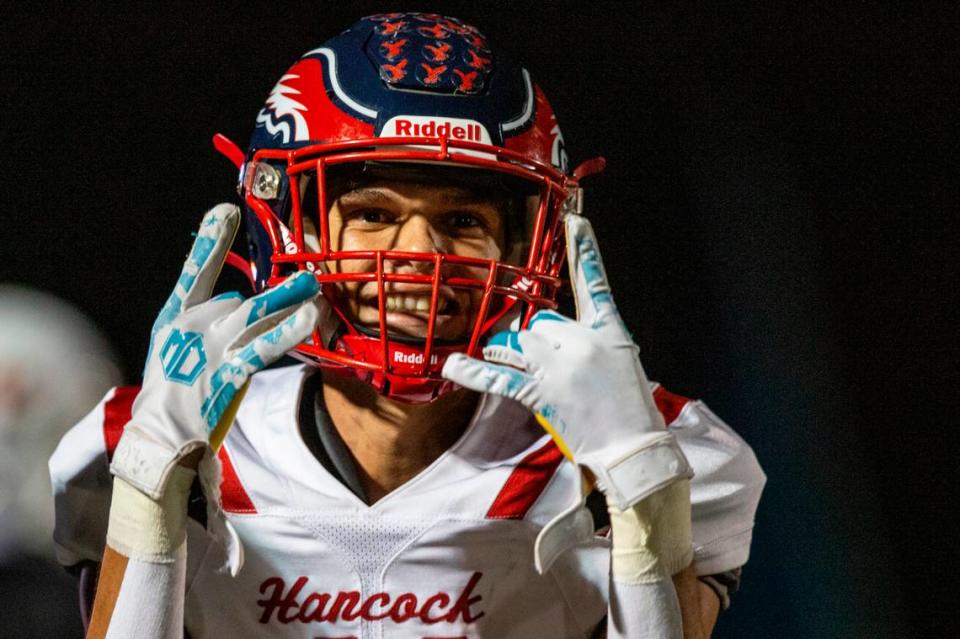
column 485, row 377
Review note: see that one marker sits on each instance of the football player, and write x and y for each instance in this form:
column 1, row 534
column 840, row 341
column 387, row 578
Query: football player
column 409, row 211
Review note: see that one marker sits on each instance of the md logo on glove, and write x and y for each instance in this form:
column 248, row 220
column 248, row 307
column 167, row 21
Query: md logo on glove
column 182, row 357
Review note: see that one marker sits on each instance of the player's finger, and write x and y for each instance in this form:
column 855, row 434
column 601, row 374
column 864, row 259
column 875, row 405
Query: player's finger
column 505, row 348
column 294, row 326
column 485, row 377
column 588, row 278
column 264, row 311
column 295, row 289
column 262, row 351
column 541, row 320
column 225, row 303
column 202, row 266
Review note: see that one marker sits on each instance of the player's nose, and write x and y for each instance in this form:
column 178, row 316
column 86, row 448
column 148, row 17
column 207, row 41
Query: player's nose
column 418, row 235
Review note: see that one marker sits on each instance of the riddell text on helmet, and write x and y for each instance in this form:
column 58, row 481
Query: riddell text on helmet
column 443, row 130
column 430, row 127
column 399, row 357
column 319, row 607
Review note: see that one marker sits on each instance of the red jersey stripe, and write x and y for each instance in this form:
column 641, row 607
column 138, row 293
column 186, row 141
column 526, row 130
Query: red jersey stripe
column 233, row 496
column 116, row 414
column 669, row 404
column 526, row 483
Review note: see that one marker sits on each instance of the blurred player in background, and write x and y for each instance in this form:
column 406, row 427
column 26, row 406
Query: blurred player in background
column 54, row 366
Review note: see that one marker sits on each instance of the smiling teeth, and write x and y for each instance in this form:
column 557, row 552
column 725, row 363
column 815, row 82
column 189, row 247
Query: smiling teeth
column 417, row 303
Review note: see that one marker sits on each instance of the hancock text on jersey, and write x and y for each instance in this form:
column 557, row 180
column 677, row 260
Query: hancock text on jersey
column 348, row 605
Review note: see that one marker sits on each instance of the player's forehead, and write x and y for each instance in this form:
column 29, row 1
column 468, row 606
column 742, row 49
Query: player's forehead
column 438, row 185
column 385, row 192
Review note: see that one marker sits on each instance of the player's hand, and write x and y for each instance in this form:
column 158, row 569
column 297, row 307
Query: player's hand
column 202, row 352
column 584, row 382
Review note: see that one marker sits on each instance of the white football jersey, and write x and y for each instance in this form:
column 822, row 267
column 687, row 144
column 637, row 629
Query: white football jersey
column 448, row 555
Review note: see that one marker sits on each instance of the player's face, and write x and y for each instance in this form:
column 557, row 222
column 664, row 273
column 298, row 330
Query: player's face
column 423, row 218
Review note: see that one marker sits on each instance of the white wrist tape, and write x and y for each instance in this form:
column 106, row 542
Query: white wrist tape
column 644, row 611
column 146, row 529
column 652, row 540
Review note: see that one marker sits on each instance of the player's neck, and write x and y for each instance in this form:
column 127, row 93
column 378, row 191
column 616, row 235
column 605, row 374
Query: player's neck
column 390, row 441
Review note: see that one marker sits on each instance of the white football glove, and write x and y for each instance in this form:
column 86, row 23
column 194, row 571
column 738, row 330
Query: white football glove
column 584, row 383
column 202, row 352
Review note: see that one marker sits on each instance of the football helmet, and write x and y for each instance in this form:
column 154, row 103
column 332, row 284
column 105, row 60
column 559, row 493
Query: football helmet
column 407, row 96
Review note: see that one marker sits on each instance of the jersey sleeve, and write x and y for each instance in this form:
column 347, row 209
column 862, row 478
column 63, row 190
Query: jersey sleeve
column 726, row 486
column 80, row 475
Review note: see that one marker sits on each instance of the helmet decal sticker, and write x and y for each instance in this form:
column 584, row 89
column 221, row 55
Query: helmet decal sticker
column 468, row 81
column 394, row 72
column 393, row 49
column 476, row 61
column 430, row 75
column 436, row 31
column 436, row 52
column 391, row 28
column 280, row 106
column 444, row 54
column 558, row 151
column 476, row 40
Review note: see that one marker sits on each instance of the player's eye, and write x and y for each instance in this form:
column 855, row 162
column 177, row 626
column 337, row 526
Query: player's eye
column 373, row 217
column 465, row 220
column 370, row 217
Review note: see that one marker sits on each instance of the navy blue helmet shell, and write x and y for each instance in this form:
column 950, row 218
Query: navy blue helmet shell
column 393, row 65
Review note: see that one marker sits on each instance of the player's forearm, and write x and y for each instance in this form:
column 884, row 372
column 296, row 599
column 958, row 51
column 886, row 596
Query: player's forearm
column 651, row 553
column 138, row 598
column 649, row 610
column 142, row 580
column 112, row 570
column 699, row 605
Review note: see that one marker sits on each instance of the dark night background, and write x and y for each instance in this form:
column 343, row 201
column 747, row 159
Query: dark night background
column 778, row 216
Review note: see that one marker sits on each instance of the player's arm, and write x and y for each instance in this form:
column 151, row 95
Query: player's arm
column 112, row 569
column 202, row 352
column 699, row 604
column 724, row 494
column 140, row 592
column 583, row 381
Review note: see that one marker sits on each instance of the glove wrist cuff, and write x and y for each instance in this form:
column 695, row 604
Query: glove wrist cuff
column 145, row 463
column 648, row 468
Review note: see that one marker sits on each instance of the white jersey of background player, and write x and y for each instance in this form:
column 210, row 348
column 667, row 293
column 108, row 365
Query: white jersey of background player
column 422, row 182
